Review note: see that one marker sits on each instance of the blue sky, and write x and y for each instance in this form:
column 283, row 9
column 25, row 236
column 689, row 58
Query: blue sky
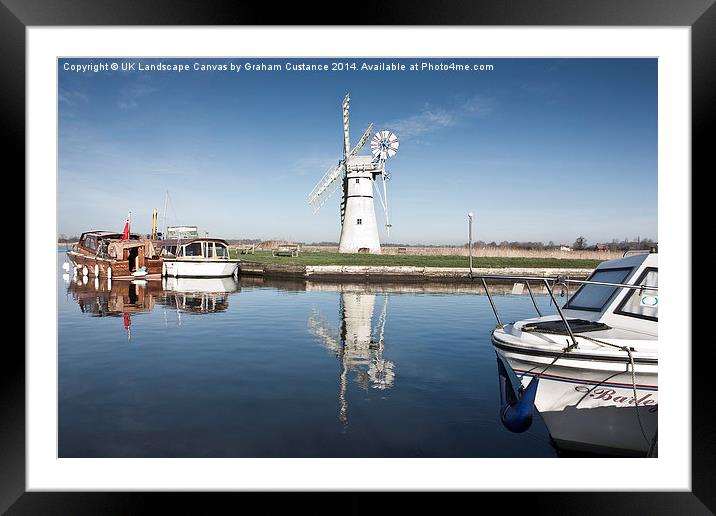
column 538, row 149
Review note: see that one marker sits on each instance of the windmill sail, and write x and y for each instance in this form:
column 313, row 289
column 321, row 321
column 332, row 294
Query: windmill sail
column 362, row 141
column 346, row 125
column 325, row 187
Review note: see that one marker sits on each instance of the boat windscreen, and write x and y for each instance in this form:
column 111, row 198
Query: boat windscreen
column 193, row 249
column 594, row 298
column 643, row 304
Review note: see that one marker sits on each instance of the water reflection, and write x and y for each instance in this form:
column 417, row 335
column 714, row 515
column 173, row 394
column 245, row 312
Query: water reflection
column 395, row 287
column 198, row 295
column 282, row 370
column 104, row 297
column 358, row 344
column 107, row 298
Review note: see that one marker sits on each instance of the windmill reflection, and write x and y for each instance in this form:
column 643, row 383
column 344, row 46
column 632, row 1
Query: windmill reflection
column 358, row 344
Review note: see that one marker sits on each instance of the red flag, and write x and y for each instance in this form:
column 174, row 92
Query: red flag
column 127, row 319
column 125, row 234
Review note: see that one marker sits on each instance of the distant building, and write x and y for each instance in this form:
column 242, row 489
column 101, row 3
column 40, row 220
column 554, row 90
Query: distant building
column 602, row 247
column 183, row 232
column 565, row 248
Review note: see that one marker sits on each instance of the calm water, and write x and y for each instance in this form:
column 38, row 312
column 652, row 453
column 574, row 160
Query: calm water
column 215, row 368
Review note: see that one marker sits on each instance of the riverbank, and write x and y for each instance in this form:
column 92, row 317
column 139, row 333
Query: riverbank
column 323, row 258
column 395, row 274
column 332, row 266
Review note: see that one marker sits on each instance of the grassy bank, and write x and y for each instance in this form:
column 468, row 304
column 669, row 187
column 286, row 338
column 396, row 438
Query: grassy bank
column 330, row 258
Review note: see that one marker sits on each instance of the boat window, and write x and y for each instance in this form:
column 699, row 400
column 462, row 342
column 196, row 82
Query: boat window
column 209, row 249
column 193, row 249
column 221, row 251
column 643, row 304
column 90, row 243
column 595, row 297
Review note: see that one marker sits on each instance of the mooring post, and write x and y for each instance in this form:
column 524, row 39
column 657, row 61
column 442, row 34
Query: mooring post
column 469, row 238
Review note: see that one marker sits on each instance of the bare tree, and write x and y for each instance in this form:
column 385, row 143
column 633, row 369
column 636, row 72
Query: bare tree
column 580, row 243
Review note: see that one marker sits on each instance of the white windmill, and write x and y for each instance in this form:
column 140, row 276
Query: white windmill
column 359, row 230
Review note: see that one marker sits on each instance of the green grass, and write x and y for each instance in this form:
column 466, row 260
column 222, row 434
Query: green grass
column 325, row 258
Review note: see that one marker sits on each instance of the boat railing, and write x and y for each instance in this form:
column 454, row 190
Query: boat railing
column 630, row 252
column 546, row 280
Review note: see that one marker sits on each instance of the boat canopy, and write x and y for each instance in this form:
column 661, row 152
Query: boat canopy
column 109, row 244
column 196, row 248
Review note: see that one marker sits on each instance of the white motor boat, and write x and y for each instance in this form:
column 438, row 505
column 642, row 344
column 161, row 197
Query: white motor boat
column 591, row 370
column 197, row 258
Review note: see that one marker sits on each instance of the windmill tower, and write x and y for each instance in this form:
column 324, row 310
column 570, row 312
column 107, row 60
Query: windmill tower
column 358, row 174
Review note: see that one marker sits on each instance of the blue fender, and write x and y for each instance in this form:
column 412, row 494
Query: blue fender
column 516, row 408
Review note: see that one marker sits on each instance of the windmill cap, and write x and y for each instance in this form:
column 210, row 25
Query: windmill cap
column 360, row 160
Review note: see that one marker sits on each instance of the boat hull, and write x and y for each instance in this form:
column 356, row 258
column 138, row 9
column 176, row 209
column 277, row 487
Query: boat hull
column 592, row 409
column 119, row 268
column 200, row 268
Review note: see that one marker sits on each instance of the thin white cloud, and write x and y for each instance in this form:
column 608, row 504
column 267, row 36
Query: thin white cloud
column 71, row 97
column 131, row 95
column 426, row 121
column 431, row 118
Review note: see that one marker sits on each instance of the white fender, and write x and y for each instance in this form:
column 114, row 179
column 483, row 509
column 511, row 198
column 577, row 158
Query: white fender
column 66, row 267
column 96, row 283
column 164, row 270
column 84, row 271
column 84, row 280
column 109, row 272
column 96, row 270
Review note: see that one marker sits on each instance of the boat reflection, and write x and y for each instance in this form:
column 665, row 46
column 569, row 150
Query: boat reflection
column 102, row 297
column 107, row 298
column 358, row 343
column 198, row 295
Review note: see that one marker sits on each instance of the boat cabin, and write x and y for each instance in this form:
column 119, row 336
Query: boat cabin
column 108, row 245
column 196, row 249
column 632, row 309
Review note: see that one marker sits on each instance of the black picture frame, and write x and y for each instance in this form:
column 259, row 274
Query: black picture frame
column 17, row 15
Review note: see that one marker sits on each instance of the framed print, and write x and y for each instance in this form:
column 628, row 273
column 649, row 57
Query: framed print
column 277, row 252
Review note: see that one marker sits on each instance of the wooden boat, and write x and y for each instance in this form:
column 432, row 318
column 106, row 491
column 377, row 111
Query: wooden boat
column 105, row 254
column 198, row 258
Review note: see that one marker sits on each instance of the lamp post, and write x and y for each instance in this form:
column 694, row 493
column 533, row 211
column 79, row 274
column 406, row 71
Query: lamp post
column 469, row 238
